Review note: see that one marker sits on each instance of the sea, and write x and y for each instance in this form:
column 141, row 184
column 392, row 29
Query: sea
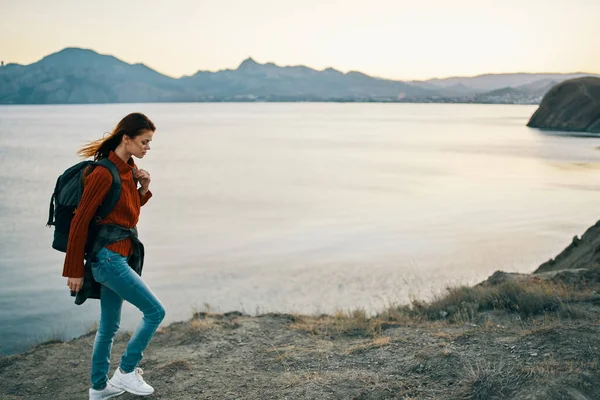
column 297, row 207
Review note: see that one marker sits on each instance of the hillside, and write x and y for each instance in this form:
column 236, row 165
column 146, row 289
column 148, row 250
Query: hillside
column 572, row 105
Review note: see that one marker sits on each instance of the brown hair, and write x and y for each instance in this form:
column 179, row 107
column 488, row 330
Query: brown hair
column 132, row 125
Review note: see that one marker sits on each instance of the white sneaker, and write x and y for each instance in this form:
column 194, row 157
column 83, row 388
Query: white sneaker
column 106, row 393
column 131, row 382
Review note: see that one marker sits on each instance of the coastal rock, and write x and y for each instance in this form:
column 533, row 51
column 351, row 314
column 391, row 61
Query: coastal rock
column 581, row 254
column 572, row 105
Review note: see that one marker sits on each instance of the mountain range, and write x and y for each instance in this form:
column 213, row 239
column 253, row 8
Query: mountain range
column 79, row 76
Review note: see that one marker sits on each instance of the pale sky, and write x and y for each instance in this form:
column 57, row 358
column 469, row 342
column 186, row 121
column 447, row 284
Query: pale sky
column 394, row 39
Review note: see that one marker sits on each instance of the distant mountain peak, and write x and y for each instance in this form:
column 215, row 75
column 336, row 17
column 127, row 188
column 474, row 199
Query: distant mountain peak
column 358, row 73
column 76, row 50
column 71, row 58
column 74, row 55
column 72, row 52
column 248, row 63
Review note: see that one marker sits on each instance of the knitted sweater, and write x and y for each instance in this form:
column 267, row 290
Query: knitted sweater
column 126, row 213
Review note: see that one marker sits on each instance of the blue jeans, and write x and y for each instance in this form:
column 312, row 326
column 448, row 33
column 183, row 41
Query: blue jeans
column 118, row 281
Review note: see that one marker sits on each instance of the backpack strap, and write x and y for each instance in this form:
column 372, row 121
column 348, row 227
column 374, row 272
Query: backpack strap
column 114, row 192
column 52, row 200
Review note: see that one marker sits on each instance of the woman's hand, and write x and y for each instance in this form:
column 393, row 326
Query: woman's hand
column 143, row 178
column 75, row 284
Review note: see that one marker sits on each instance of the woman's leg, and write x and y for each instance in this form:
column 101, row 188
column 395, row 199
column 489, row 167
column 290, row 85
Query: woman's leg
column 123, row 280
column 110, row 317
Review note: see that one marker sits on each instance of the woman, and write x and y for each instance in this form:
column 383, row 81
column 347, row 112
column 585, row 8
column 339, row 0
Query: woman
column 112, row 266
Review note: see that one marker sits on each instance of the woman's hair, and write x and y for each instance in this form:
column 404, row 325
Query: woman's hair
column 132, row 125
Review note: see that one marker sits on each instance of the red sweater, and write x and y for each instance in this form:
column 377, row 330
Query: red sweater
column 126, row 213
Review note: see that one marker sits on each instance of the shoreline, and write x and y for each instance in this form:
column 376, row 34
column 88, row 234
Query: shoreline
column 512, row 336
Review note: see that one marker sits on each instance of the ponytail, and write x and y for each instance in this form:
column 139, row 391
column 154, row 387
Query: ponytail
column 132, row 125
column 101, row 148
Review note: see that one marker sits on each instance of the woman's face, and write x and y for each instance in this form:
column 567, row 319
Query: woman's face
column 139, row 145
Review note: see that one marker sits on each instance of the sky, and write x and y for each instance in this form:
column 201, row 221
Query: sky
column 395, row 39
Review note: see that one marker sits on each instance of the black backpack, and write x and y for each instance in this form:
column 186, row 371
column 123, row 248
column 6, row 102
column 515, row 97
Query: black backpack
column 67, row 195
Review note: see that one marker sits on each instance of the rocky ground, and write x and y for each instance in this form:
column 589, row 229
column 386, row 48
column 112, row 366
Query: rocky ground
column 232, row 356
column 512, row 337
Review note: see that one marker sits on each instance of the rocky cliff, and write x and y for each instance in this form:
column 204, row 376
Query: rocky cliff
column 572, row 105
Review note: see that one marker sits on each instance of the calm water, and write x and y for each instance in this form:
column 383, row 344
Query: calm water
column 298, row 207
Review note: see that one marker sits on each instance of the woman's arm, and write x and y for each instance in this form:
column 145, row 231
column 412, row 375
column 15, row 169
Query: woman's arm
column 95, row 190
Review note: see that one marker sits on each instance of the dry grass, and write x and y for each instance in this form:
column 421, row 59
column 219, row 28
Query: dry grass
column 402, row 315
column 551, row 366
column 353, row 323
column 51, row 341
column 545, row 325
column 382, row 341
column 378, row 342
column 204, row 320
column 56, row 336
column 525, row 298
column 200, row 325
column 303, row 364
column 462, row 304
column 445, row 335
column 283, row 353
column 432, row 352
column 204, row 312
column 459, row 305
column 485, row 381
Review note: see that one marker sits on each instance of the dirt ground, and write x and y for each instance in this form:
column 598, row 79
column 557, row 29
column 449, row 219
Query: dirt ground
column 514, row 336
column 275, row 356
